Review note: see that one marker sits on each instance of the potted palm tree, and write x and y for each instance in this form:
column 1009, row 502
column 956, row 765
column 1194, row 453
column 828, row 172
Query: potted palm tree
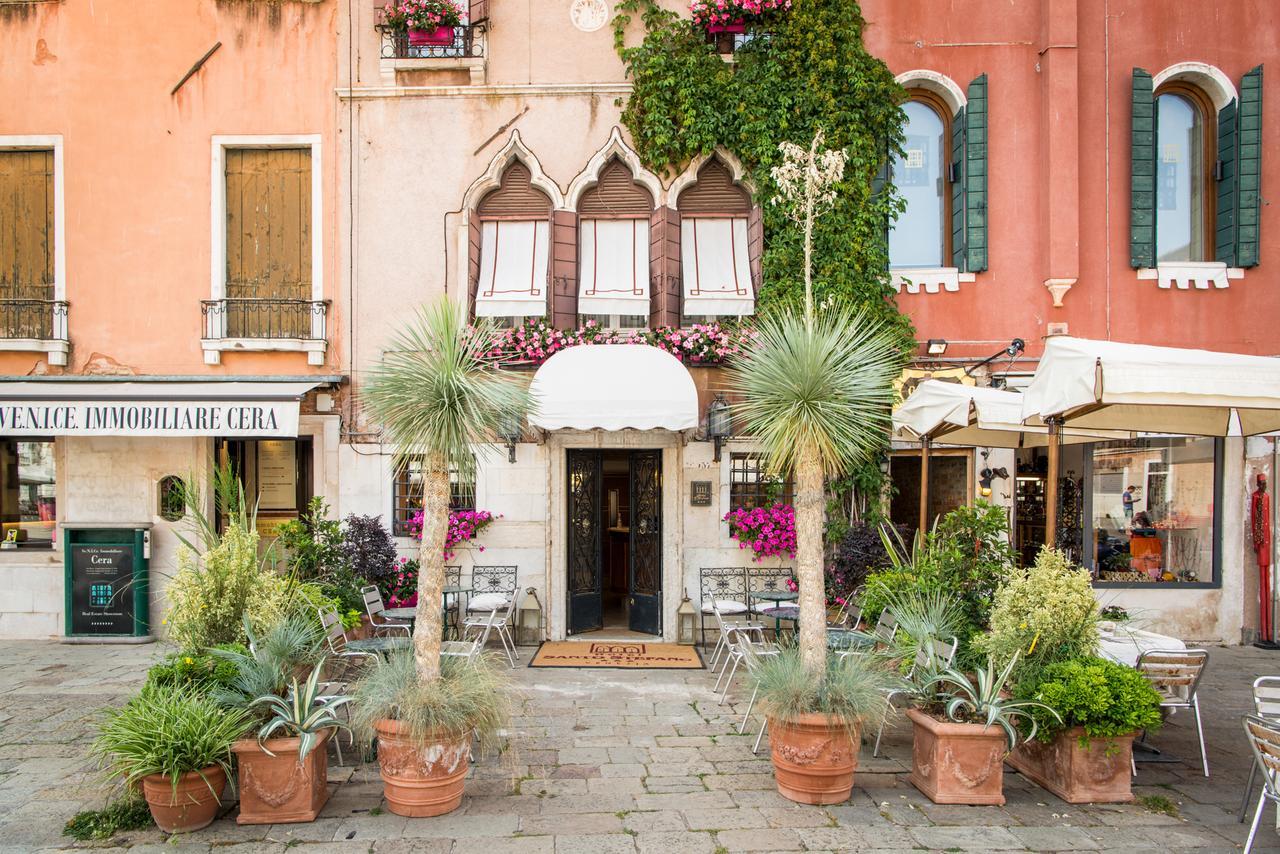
column 437, row 395
column 815, row 391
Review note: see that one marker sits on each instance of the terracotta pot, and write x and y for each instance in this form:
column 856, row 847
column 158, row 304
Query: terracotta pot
column 955, row 763
column 421, row 778
column 734, row 27
column 1079, row 770
column 193, row 806
column 278, row 789
column 814, row 757
column 438, row 36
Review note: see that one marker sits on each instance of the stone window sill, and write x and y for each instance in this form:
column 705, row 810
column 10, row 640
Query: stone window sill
column 932, row 279
column 55, row 351
column 1185, row 275
column 215, row 347
column 476, row 66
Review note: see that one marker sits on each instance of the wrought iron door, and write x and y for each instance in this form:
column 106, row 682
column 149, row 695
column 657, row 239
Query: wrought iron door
column 645, row 614
column 584, row 548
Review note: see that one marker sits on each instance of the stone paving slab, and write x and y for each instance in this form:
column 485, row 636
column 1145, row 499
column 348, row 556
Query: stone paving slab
column 626, row 761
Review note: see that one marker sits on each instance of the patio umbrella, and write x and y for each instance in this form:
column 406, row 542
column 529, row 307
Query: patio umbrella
column 1091, row 385
column 968, row 415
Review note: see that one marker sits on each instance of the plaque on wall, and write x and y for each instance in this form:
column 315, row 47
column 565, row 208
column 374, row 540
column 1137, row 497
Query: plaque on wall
column 101, row 596
column 277, row 475
column 700, row 494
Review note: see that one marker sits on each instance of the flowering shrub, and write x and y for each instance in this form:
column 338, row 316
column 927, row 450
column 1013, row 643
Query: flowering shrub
column 768, row 531
column 403, row 15
column 400, row 588
column 702, row 343
column 731, row 11
column 464, row 526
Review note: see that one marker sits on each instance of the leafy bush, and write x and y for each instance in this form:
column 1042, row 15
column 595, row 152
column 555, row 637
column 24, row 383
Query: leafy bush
column 291, row 645
column 128, row 813
column 1047, row 614
column 884, row 585
column 860, row 552
column 923, row 615
column 851, row 689
column 972, row 555
column 202, row 671
column 312, row 545
column 1106, row 698
column 369, row 549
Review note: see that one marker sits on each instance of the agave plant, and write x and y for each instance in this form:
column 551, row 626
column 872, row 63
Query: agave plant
column 923, row 616
column 302, row 713
column 292, row 643
column 982, row 700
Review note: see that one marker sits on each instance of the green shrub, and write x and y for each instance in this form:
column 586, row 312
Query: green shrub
column 1106, row 698
column 312, row 545
column 884, row 585
column 972, row 557
column 128, row 813
column 202, row 671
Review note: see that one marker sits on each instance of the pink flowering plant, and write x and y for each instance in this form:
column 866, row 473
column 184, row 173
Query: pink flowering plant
column 464, row 526
column 402, row 15
column 767, row 531
column 400, row 588
column 720, row 12
column 535, row 340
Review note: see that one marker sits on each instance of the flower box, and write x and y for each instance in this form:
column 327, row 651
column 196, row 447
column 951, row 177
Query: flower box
column 731, row 27
column 424, row 38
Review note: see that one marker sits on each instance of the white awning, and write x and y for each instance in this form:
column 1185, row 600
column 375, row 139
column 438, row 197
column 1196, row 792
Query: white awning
column 958, row 414
column 1102, row 384
column 236, row 408
column 717, row 270
column 614, row 268
column 513, row 269
column 614, row 387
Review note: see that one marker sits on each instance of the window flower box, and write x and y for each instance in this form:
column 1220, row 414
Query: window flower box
column 734, row 16
column 437, row 36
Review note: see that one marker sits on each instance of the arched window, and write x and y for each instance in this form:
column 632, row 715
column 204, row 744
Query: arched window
column 511, row 224
column 1185, row 154
column 716, row 245
column 613, row 249
column 921, row 236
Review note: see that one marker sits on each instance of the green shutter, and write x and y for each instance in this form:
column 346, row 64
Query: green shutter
column 1225, row 212
column 1248, row 168
column 1142, row 174
column 975, row 177
column 956, row 167
column 878, row 185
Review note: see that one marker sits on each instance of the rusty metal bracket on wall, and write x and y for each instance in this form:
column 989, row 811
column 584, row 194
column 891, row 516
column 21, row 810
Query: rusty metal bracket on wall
column 193, row 69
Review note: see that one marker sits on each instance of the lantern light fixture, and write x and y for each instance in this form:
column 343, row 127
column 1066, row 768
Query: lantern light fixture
column 718, row 423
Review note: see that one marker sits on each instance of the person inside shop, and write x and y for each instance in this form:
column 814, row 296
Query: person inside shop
column 1127, row 500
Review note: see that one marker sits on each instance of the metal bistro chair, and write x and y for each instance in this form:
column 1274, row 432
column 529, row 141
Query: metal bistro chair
column 1266, row 704
column 740, row 644
column 495, row 596
column 1264, row 741
column 1175, row 674
column 336, row 638
column 727, row 625
column 930, row 658
column 882, row 635
column 849, row 614
column 724, row 588
column 471, row 649
column 374, row 607
column 449, row 610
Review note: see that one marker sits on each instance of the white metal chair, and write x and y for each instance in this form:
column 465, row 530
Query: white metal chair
column 931, row 657
column 882, row 635
column 742, row 648
column 336, row 638
column 1176, row 674
column 495, row 620
column 1266, row 704
column 374, row 607
column 470, row 649
column 1264, row 741
column 849, row 614
column 727, row 624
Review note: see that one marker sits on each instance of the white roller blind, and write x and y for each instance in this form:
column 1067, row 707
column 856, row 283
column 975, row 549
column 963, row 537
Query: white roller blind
column 614, row 272
column 717, row 271
column 513, row 269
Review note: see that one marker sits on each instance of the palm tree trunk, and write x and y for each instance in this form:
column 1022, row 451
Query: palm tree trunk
column 435, row 524
column 813, row 595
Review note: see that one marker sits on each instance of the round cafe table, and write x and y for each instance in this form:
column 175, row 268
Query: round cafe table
column 381, row 646
column 775, row 596
column 406, row 615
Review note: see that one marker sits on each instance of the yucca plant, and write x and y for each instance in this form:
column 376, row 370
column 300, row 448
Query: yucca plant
column 300, row 713
column 273, row 658
column 983, row 700
column 438, row 394
column 923, row 615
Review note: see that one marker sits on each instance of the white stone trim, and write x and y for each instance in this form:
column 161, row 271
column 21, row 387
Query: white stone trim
column 476, row 66
column 587, row 178
column 514, row 150
column 932, row 279
column 937, row 83
column 214, row 347
column 1215, row 84
column 496, row 90
column 1187, row 274
column 689, row 176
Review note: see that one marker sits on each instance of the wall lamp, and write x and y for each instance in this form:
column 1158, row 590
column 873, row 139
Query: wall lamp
column 510, row 431
column 718, row 423
column 936, row 346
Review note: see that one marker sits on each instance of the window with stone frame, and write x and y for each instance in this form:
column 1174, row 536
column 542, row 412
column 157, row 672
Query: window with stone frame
column 752, row 485
column 407, row 494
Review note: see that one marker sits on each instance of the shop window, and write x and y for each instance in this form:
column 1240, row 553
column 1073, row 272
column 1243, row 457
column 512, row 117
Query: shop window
column 751, row 485
column 275, row 474
column 172, row 494
column 1185, row 138
column 1154, row 507
column 28, row 493
column 921, row 236
column 407, row 494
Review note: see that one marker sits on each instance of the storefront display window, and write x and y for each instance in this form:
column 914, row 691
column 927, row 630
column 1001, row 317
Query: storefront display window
column 28, row 493
column 1154, row 504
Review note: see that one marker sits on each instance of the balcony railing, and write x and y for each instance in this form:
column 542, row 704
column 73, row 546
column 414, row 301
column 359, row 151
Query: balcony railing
column 34, row 319
column 468, row 43
column 265, row 319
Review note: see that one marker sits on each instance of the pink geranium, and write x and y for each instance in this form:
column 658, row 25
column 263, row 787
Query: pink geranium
column 767, row 531
column 464, row 526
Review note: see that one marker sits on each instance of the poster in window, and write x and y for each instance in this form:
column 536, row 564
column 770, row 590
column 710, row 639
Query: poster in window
column 277, row 475
column 101, row 589
column 914, row 164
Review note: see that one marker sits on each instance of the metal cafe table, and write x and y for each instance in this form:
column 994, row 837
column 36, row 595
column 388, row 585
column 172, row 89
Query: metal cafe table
column 410, row 615
column 381, row 646
column 779, row 613
column 849, row 640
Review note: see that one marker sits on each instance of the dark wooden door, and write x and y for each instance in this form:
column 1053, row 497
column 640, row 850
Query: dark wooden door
column 645, row 614
column 584, row 546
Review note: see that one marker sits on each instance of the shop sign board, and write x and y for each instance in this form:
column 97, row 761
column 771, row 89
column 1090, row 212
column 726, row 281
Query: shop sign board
column 149, row 418
column 102, row 598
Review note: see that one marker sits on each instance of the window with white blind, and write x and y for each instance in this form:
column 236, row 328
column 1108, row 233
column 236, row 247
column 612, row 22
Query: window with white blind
column 614, row 266
column 716, row 266
column 513, row 268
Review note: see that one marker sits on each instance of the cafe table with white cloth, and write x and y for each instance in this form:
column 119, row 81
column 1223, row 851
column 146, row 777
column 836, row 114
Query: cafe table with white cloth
column 1125, row 645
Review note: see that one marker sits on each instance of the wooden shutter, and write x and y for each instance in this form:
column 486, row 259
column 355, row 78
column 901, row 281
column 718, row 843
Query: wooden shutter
column 956, row 173
column 515, row 197
column 27, row 268
column 479, row 11
column 268, row 241
column 975, row 177
column 474, row 248
column 1224, row 238
column 1249, row 169
column 1142, row 173
column 714, row 193
column 562, row 307
column 755, row 248
column 664, row 268
column 616, row 194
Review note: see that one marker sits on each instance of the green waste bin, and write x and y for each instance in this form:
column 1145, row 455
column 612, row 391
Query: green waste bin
column 107, row 582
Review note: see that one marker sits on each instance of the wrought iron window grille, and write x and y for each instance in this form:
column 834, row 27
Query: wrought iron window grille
column 468, row 43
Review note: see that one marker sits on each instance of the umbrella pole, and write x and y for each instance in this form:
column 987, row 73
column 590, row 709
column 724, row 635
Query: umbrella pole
column 1051, row 484
column 924, row 485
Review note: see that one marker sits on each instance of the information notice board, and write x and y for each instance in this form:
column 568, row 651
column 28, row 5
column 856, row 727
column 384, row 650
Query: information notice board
column 106, row 583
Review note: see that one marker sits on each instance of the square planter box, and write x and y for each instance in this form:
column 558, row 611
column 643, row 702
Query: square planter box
column 1077, row 769
column 278, row 789
column 955, row 763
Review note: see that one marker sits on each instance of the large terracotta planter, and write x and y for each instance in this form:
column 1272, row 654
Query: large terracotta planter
column 1079, row 770
column 814, row 758
column 195, row 803
column 421, row 778
column 278, row 789
column 955, row 763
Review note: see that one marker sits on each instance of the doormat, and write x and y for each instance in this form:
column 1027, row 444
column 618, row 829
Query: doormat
column 620, row 655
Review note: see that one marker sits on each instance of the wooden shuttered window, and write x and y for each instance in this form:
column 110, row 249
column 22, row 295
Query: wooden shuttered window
column 755, row 247
column 664, row 268
column 1142, row 172
column 1247, row 177
column 27, row 251
column 268, row 284
column 515, row 200
column 563, row 295
column 969, row 181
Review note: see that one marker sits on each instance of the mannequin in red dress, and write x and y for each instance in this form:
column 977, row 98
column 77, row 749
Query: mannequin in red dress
column 1260, row 525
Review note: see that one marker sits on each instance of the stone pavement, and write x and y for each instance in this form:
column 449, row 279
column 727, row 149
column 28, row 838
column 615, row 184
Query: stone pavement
column 625, row 761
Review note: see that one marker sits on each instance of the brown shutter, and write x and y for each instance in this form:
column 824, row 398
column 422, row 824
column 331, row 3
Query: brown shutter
column 515, row 197
column 27, row 267
column 563, row 294
column 714, row 193
column 479, row 11
column 616, row 195
column 664, row 268
column 755, row 248
column 473, row 262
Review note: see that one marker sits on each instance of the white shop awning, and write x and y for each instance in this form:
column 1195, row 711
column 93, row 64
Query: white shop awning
column 614, row 387
column 138, row 408
column 1102, row 384
column 513, row 268
column 716, row 266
